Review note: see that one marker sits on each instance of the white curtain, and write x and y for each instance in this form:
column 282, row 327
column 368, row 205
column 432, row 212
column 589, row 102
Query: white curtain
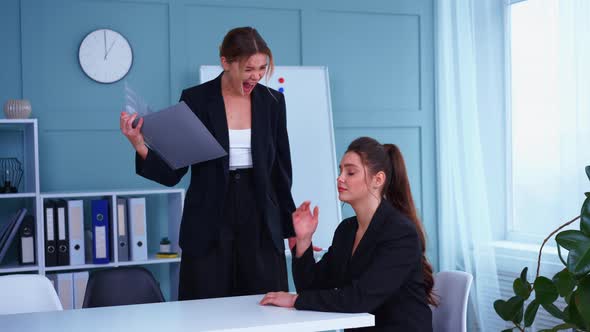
column 469, row 83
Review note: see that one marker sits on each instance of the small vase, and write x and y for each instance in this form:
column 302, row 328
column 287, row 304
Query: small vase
column 17, row 109
column 164, row 248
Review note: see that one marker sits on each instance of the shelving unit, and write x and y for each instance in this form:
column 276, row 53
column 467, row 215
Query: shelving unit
column 163, row 211
column 18, row 139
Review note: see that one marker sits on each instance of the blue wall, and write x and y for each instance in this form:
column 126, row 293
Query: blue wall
column 380, row 55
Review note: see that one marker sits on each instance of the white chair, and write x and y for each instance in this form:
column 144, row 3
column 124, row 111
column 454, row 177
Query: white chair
column 452, row 289
column 21, row 293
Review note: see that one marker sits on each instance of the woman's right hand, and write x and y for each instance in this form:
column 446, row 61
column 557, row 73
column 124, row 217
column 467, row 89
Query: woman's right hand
column 134, row 135
column 305, row 223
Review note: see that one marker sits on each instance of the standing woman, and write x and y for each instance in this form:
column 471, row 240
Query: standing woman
column 376, row 262
column 237, row 208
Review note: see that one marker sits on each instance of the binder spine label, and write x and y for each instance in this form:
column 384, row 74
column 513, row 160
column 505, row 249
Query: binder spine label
column 101, row 235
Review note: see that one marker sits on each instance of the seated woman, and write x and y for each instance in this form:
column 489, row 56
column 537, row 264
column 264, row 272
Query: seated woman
column 376, row 263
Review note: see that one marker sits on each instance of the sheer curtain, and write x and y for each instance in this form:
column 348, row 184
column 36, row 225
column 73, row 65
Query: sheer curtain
column 466, row 76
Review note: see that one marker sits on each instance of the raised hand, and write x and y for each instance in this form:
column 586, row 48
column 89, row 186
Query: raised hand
column 134, row 135
column 304, row 222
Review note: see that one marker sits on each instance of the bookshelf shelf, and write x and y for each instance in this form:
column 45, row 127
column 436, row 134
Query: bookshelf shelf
column 18, row 195
column 150, row 261
column 15, row 268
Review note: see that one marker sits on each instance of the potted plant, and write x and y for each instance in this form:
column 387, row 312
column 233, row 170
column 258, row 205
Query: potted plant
column 572, row 283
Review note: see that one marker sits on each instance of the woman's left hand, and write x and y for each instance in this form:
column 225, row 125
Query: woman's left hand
column 279, row 299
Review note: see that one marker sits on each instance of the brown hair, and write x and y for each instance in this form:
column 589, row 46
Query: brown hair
column 241, row 43
column 388, row 158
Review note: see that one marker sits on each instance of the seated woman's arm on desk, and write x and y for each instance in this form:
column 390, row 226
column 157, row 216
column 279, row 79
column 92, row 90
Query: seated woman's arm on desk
column 395, row 257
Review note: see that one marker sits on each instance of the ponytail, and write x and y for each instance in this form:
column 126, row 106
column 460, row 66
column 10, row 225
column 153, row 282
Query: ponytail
column 398, row 193
column 388, row 158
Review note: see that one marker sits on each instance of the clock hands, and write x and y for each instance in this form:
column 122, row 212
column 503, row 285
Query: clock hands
column 110, row 47
column 105, row 43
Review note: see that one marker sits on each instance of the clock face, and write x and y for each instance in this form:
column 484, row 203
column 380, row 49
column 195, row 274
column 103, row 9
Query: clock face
column 105, row 56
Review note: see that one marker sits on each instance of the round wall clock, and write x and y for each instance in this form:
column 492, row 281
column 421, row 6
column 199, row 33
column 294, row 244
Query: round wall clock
column 105, row 56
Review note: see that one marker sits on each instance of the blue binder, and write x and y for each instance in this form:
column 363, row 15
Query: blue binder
column 101, row 253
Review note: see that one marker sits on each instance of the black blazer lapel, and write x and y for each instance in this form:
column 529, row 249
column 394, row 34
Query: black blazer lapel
column 369, row 241
column 259, row 132
column 216, row 110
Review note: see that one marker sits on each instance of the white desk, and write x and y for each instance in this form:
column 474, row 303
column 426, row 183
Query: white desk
column 224, row 314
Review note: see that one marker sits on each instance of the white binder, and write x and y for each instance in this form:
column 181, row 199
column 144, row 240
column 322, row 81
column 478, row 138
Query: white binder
column 80, row 282
column 137, row 229
column 76, row 232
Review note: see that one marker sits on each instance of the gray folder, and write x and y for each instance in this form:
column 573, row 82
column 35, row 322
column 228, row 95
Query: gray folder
column 178, row 137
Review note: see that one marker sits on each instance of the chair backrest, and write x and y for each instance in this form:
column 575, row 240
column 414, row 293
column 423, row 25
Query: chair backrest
column 121, row 286
column 452, row 288
column 23, row 293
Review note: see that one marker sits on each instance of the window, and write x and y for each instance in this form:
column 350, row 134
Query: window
column 549, row 115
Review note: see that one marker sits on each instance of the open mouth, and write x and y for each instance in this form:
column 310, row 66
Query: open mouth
column 248, row 86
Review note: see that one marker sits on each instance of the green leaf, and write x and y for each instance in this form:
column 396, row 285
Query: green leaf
column 572, row 239
column 509, row 310
column 579, row 263
column 501, row 310
column 508, row 330
column 578, row 244
column 587, row 168
column 523, row 274
column 582, row 299
column 585, row 217
column 564, row 282
column 530, row 313
column 587, row 194
column 545, row 291
column 572, row 315
column 522, row 289
column 553, row 310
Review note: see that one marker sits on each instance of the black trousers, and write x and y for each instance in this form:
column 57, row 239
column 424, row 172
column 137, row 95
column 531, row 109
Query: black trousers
column 245, row 262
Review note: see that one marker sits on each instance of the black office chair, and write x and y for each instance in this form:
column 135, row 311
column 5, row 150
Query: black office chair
column 121, row 286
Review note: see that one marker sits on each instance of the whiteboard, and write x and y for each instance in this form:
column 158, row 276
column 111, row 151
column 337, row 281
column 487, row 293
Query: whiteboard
column 311, row 136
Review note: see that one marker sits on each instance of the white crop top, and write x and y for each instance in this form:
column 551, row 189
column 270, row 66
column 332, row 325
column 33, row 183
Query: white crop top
column 240, row 148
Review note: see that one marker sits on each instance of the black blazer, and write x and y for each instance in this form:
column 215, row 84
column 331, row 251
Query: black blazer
column 383, row 277
column 205, row 197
